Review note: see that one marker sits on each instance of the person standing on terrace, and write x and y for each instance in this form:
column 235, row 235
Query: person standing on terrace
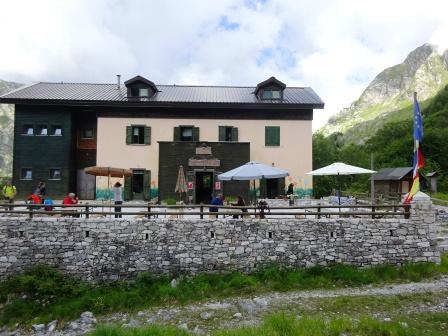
column 9, row 193
column 117, row 192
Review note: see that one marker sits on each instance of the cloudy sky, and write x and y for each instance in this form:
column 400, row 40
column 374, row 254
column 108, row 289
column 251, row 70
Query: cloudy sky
column 334, row 46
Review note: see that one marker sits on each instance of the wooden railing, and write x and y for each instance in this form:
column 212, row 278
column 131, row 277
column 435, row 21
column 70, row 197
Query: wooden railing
column 152, row 210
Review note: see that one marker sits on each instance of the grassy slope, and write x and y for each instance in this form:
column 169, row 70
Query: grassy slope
column 43, row 294
column 366, row 129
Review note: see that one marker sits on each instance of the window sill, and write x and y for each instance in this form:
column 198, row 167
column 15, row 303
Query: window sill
column 55, row 135
column 139, row 144
column 22, row 179
column 54, row 179
column 28, row 135
column 272, row 146
column 41, row 135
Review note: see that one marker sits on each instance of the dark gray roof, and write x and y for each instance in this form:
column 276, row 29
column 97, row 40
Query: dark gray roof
column 391, row 174
column 107, row 93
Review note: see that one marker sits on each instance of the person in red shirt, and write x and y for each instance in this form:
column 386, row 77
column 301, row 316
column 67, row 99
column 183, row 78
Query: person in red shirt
column 70, row 199
column 34, row 199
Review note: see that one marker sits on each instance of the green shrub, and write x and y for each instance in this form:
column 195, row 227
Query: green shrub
column 170, row 201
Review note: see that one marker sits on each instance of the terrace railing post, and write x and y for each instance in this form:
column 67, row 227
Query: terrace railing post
column 149, row 211
column 407, row 212
column 201, row 209
column 373, row 211
column 87, row 211
column 31, row 212
column 318, row 210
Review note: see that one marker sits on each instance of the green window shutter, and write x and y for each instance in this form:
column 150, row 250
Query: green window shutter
column 272, row 136
column 147, row 135
column 128, row 135
column 127, row 188
column 176, row 134
column 222, row 133
column 195, row 133
column 234, row 133
column 267, row 136
column 147, row 185
column 276, row 136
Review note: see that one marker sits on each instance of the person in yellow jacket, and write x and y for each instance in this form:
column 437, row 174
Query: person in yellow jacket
column 9, row 193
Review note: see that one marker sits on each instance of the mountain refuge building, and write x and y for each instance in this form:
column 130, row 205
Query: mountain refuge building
column 62, row 128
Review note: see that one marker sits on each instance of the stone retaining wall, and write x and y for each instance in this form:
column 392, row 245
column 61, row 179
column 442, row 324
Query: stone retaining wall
column 96, row 249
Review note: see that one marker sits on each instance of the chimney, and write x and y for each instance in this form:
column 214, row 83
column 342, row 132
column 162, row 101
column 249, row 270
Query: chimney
column 118, row 82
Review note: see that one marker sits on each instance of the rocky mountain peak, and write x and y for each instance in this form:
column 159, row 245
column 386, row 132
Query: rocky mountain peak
column 445, row 59
column 424, row 71
column 420, row 55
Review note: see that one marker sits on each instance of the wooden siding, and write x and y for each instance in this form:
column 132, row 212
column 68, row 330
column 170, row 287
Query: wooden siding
column 173, row 154
column 234, row 113
column 41, row 153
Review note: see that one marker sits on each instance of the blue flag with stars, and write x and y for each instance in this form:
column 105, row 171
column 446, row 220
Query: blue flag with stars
column 418, row 126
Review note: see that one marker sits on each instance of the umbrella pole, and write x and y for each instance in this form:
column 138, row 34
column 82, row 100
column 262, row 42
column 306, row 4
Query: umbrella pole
column 254, row 193
column 108, row 190
column 339, row 193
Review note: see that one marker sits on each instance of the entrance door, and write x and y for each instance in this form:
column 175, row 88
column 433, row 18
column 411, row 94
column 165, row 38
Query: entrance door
column 137, row 184
column 404, row 187
column 85, row 185
column 271, row 188
column 204, row 187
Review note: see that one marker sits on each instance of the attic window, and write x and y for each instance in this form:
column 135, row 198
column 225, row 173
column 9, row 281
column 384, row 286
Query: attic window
column 270, row 89
column 271, row 94
column 139, row 92
column 140, row 87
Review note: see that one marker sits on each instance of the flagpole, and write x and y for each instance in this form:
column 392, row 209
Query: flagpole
column 415, row 143
column 372, row 181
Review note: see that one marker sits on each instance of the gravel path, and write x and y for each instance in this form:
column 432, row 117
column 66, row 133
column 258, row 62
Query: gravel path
column 247, row 311
column 200, row 318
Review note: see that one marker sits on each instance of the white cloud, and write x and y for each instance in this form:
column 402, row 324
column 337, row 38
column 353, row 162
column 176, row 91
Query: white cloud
column 336, row 47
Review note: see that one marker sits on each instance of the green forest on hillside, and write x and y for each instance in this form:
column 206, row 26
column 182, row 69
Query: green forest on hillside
column 392, row 146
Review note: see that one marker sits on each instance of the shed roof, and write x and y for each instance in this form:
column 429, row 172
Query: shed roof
column 391, row 174
column 72, row 93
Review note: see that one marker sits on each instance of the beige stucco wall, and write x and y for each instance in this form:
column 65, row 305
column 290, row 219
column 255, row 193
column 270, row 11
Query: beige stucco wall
column 294, row 153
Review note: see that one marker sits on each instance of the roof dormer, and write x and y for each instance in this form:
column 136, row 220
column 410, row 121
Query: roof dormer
column 270, row 89
column 140, row 87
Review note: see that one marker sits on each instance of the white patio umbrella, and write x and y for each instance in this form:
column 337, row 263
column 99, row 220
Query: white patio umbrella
column 253, row 171
column 340, row 168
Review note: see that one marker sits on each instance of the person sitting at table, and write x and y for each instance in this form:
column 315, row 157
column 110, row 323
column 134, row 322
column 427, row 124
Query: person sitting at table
column 48, row 204
column 33, row 199
column 239, row 202
column 218, row 200
column 70, row 199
